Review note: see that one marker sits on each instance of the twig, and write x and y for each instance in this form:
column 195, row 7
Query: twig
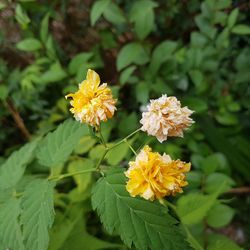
column 239, row 190
column 18, row 119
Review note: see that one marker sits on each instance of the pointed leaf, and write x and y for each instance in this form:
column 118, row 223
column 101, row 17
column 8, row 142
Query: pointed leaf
column 10, row 230
column 58, row 145
column 11, row 171
column 38, row 214
column 145, row 224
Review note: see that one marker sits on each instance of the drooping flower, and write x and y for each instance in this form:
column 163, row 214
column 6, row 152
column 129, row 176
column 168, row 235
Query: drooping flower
column 153, row 176
column 165, row 117
column 93, row 102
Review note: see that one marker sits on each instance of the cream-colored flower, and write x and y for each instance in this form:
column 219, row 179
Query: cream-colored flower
column 153, row 176
column 165, row 117
column 92, row 103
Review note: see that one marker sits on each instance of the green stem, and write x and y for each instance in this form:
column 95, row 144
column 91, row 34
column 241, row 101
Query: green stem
column 190, row 237
column 131, row 148
column 97, row 168
column 101, row 159
column 62, row 176
column 124, row 139
column 102, row 139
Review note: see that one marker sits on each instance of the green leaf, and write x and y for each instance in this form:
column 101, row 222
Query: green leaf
column 96, row 152
column 193, row 207
column 82, row 180
column 210, row 164
column 232, row 18
column 145, row 224
column 194, row 179
column 44, row 28
column 241, row 29
column 78, row 62
column 114, row 14
column 221, row 242
column 197, row 104
column 238, row 161
column 21, row 16
column 38, row 214
column 10, row 229
column 29, row 44
column 12, row 170
column 199, row 80
column 97, row 10
column 142, row 15
column 215, row 179
column 161, row 54
column 3, row 92
column 54, row 74
column 131, row 53
column 84, row 145
column 142, row 92
column 117, row 154
column 220, row 215
column 50, row 48
column 58, row 145
column 126, row 73
column 227, row 118
column 70, row 232
column 2, row 6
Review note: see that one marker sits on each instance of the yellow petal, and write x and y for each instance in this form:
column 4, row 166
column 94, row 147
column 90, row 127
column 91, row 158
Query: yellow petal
column 93, row 78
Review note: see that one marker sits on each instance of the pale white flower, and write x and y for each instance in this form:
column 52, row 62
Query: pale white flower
column 165, row 117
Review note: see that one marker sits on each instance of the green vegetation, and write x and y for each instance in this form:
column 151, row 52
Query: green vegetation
column 198, row 51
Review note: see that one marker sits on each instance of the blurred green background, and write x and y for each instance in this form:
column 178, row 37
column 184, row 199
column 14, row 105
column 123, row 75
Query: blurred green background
column 196, row 50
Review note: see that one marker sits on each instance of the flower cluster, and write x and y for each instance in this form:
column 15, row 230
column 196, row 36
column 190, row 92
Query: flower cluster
column 152, row 175
column 92, row 103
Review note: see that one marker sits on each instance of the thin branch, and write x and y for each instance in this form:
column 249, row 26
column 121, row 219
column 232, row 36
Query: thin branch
column 18, row 119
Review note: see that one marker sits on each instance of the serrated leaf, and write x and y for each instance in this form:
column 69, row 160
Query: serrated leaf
column 97, row 10
column 11, row 171
column 38, row 214
column 10, row 229
column 145, row 224
column 58, row 145
column 29, row 44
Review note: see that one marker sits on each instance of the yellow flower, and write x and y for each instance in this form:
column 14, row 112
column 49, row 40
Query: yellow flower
column 92, row 103
column 153, row 176
column 165, row 117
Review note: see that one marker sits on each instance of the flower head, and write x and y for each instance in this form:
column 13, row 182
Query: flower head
column 165, row 117
column 93, row 102
column 153, row 176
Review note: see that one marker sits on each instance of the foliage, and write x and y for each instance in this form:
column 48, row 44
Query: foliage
column 195, row 50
